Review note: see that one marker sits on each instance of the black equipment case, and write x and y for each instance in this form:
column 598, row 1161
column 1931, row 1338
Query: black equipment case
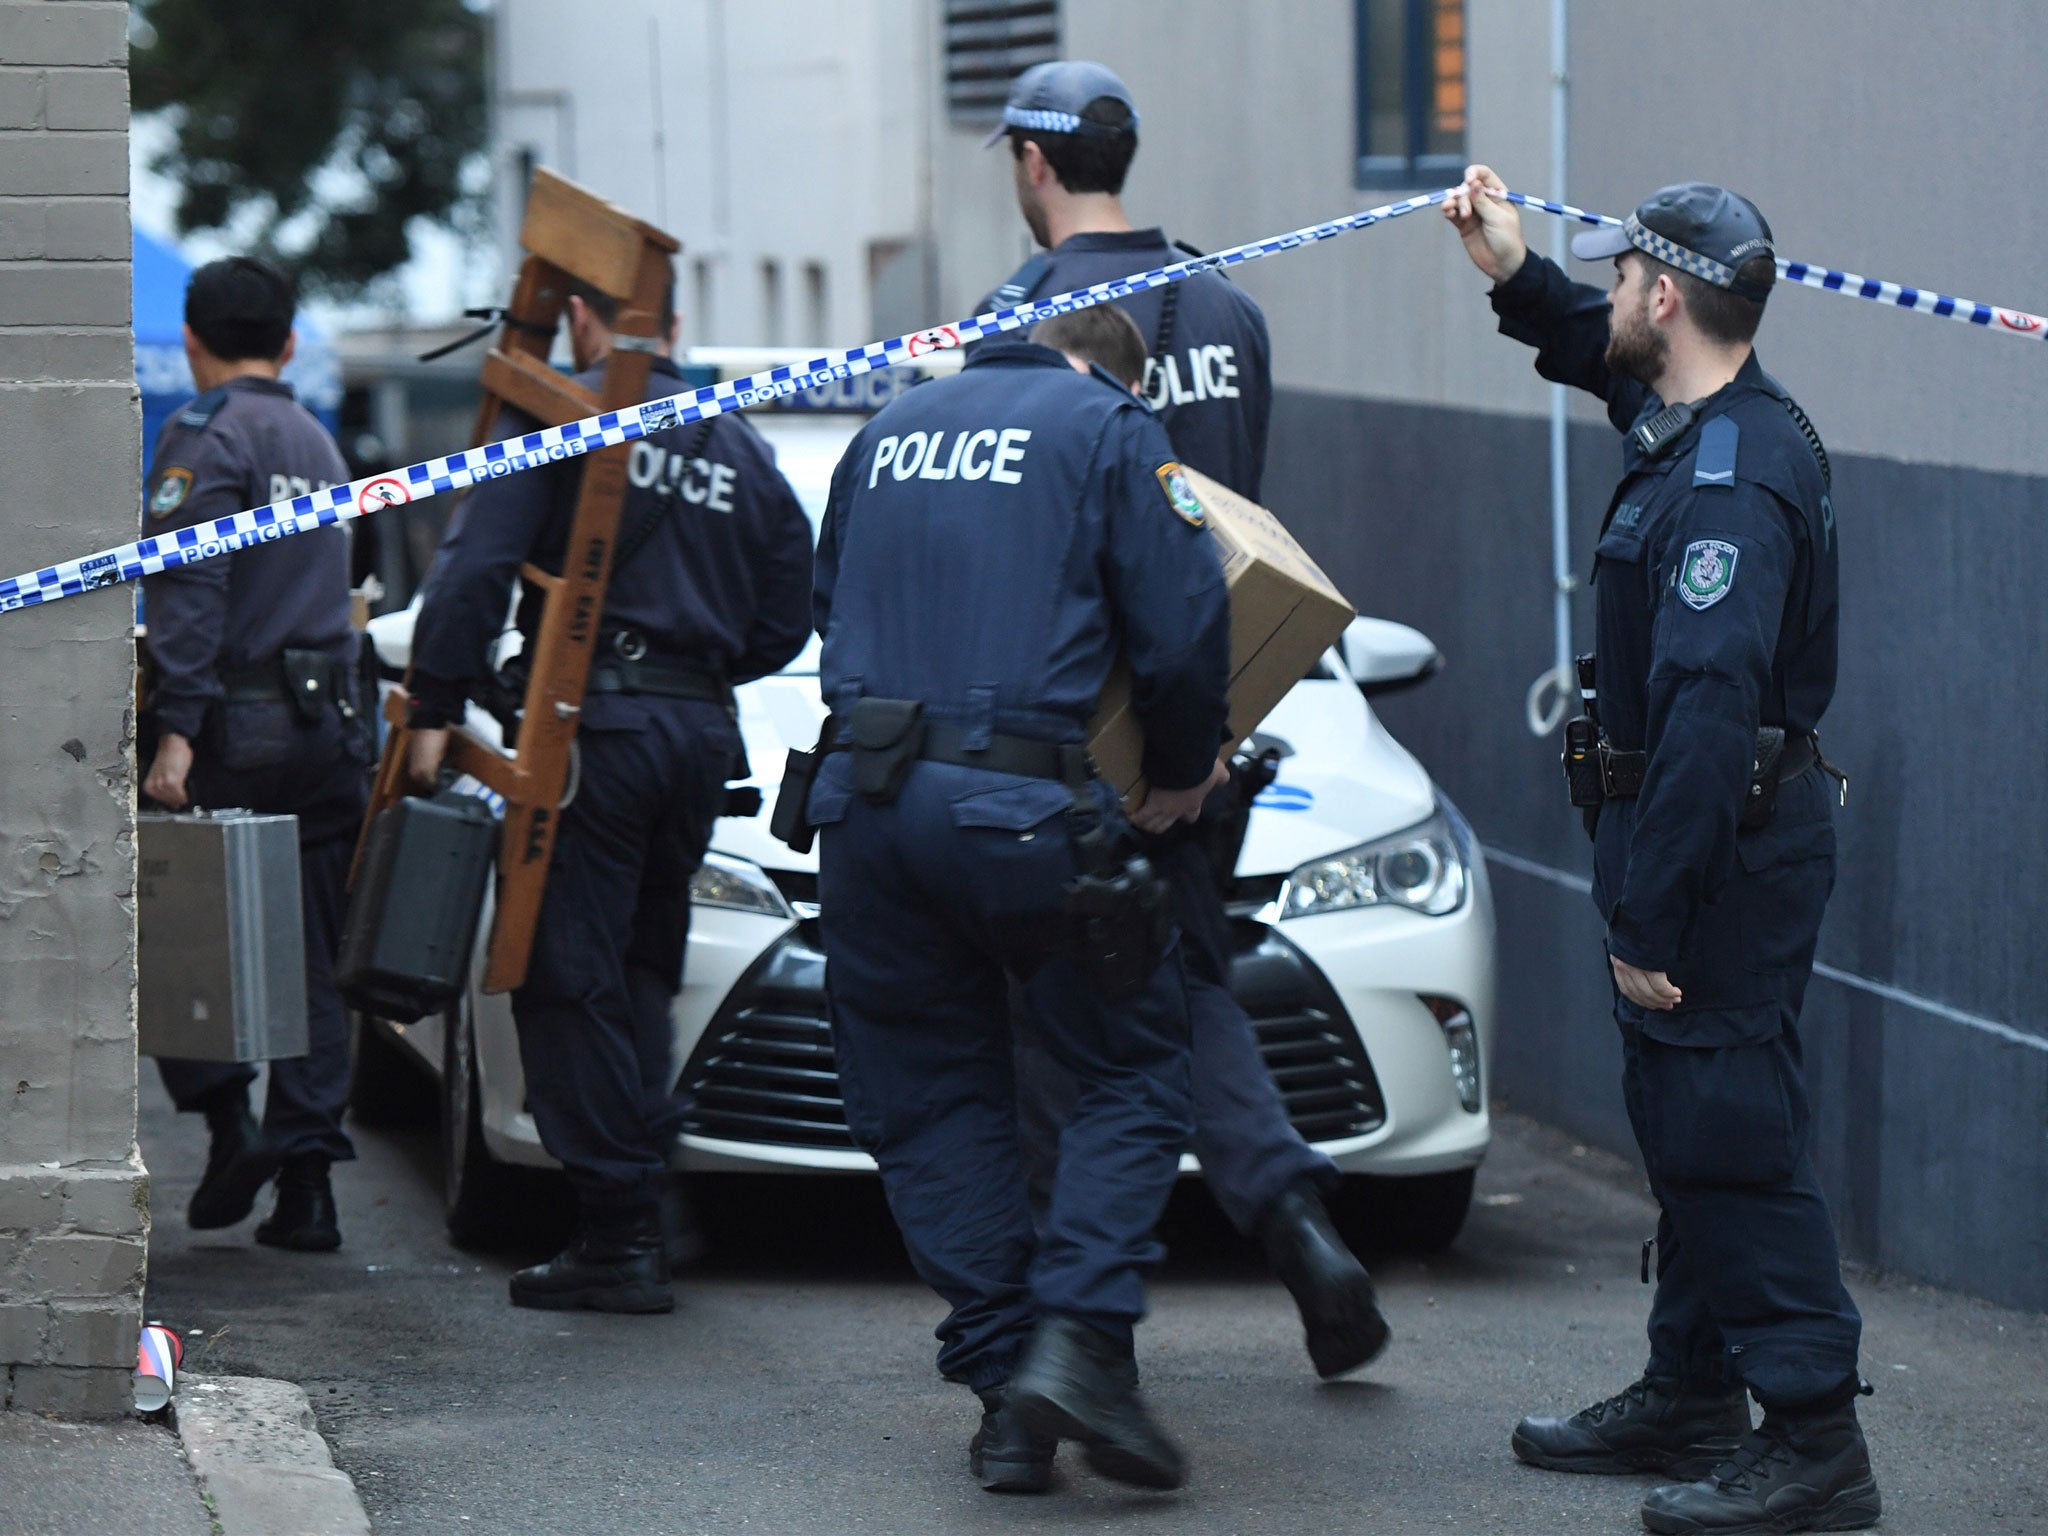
column 413, row 914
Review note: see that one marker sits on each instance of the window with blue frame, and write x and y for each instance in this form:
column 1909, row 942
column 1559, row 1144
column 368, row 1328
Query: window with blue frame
column 1410, row 80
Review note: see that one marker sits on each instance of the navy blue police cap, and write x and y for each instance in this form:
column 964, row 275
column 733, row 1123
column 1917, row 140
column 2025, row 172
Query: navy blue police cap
column 1053, row 97
column 1694, row 226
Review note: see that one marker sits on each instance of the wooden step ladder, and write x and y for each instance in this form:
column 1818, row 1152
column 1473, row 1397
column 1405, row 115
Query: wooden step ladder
column 569, row 234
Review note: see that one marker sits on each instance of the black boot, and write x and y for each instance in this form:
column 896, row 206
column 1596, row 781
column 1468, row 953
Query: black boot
column 1804, row 1472
column 1339, row 1311
column 1006, row 1457
column 239, row 1162
column 682, row 1240
column 1658, row 1424
column 614, row 1265
column 303, row 1218
column 1076, row 1383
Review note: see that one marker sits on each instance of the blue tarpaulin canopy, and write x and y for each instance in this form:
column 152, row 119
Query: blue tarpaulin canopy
column 160, row 368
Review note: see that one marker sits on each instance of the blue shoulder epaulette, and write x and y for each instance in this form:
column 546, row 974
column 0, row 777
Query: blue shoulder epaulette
column 1714, row 462
column 202, row 410
column 1023, row 282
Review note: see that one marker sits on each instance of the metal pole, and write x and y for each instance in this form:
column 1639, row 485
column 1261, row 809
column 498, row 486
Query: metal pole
column 1560, row 479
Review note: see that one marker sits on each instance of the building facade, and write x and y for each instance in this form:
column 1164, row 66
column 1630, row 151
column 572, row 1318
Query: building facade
column 1411, row 447
column 74, row 1199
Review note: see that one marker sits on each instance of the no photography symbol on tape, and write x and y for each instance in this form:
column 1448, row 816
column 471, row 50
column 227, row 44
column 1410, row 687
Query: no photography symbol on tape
column 386, row 491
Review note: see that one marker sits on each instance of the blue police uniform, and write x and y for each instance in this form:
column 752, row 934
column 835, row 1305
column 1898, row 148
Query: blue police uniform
column 218, row 634
column 715, row 594
column 1209, row 379
column 1209, row 372
column 990, row 541
column 1716, row 592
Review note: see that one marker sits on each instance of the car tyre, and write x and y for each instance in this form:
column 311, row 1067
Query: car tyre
column 1420, row 1214
column 489, row 1205
column 388, row 1087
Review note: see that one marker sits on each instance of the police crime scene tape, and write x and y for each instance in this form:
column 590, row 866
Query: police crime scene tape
column 416, row 482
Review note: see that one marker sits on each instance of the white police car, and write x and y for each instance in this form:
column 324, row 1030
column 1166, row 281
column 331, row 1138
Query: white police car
column 1364, row 956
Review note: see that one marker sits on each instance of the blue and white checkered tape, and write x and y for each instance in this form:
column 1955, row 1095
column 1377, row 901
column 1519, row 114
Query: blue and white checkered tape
column 337, row 504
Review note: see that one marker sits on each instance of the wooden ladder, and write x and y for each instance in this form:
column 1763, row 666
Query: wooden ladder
column 569, row 233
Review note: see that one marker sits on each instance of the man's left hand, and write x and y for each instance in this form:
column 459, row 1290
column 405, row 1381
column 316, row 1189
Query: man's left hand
column 1646, row 989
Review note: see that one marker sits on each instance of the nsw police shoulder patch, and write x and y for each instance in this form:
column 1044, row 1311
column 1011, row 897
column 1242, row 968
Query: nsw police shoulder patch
column 1706, row 573
column 1174, row 481
column 170, row 493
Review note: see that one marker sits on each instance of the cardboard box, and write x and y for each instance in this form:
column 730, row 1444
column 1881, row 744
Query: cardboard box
column 1284, row 613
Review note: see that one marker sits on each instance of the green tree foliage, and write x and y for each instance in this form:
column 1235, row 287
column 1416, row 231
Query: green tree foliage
column 338, row 121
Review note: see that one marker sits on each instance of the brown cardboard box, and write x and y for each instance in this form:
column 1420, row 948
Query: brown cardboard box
column 1284, row 613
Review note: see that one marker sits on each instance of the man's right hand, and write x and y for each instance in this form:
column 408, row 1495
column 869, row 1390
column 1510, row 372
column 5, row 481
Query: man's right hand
column 1490, row 226
column 424, row 752
column 1166, row 808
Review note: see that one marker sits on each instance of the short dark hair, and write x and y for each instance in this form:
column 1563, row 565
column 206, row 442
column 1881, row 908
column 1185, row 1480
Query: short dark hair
column 1101, row 334
column 1723, row 316
column 1087, row 162
column 606, row 308
column 241, row 307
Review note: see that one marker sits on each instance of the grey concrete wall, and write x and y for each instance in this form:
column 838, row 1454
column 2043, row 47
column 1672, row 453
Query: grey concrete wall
column 73, row 1199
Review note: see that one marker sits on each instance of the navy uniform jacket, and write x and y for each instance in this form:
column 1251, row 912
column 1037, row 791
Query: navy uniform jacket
column 1716, row 593
column 723, row 584
column 243, row 445
column 991, row 540
column 1211, row 381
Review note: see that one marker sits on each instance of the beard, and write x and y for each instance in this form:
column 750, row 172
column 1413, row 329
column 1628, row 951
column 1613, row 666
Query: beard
column 1637, row 348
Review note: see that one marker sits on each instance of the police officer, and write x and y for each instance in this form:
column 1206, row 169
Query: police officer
column 988, row 539
column 1716, row 588
column 709, row 585
column 251, row 706
column 1073, row 131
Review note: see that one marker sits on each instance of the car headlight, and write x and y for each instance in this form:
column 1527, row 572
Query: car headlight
column 738, row 885
column 1422, row 869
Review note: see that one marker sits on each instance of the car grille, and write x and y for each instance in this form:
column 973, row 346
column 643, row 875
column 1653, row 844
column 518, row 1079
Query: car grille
column 1306, row 1038
column 764, row 1070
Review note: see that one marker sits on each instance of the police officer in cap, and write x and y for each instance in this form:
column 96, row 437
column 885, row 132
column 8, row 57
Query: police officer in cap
column 1716, row 587
column 989, row 540
column 1072, row 129
column 252, row 706
column 709, row 588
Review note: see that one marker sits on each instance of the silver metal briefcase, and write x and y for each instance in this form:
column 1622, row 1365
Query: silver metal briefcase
column 221, row 941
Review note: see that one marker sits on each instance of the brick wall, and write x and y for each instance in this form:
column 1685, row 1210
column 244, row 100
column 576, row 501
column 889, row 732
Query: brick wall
column 73, row 1193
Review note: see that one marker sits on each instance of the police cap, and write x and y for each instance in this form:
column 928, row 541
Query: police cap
column 1694, row 226
column 1055, row 97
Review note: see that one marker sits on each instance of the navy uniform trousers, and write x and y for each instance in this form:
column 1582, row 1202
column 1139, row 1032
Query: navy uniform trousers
column 1250, row 1152
column 595, row 1038
column 927, row 904
column 1749, row 1281
column 269, row 761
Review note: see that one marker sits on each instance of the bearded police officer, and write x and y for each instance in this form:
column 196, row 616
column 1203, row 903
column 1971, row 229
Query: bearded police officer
column 1713, row 853
column 709, row 588
column 989, row 541
column 1072, row 129
column 252, row 706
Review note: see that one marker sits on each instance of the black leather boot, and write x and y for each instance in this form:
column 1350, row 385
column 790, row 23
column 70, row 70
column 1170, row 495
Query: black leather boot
column 1005, row 1456
column 682, row 1240
column 1804, row 1472
column 1339, row 1311
column 1076, row 1383
column 239, row 1162
column 303, row 1218
column 1657, row 1424
column 614, row 1265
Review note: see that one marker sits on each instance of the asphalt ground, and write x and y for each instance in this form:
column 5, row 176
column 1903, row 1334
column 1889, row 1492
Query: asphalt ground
column 793, row 1389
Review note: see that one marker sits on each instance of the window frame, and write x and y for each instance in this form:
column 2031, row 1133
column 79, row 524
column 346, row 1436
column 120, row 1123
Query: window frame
column 1414, row 170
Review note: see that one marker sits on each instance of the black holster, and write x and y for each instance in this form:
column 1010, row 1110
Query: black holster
column 1119, row 912
column 791, row 821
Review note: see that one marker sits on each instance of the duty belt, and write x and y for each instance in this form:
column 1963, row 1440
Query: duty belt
column 1621, row 773
column 629, row 666
column 310, row 680
column 945, row 742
